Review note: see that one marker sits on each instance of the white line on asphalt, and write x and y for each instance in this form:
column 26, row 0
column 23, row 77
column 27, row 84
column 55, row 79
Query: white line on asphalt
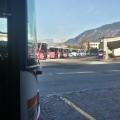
column 50, row 73
column 82, row 72
column 113, row 70
column 78, row 109
column 77, row 72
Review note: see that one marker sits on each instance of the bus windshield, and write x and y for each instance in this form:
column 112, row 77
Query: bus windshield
column 52, row 49
column 44, row 47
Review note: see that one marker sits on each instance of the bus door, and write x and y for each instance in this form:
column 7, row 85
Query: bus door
column 20, row 71
column 48, row 53
column 68, row 51
column 3, row 69
column 29, row 74
column 59, row 53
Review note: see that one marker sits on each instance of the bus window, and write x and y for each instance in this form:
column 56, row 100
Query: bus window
column 52, row 49
column 32, row 39
column 3, row 39
column 3, row 8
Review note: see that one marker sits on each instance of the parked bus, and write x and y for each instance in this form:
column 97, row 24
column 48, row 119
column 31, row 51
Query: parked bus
column 65, row 52
column 42, row 50
column 54, row 52
column 18, row 68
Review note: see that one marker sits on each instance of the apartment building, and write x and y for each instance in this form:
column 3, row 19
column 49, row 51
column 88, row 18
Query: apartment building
column 94, row 45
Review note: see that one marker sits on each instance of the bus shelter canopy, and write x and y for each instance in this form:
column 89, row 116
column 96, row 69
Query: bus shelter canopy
column 113, row 44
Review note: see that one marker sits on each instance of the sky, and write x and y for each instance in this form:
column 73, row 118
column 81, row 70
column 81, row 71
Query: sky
column 65, row 19
column 61, row 20
column 3, row 25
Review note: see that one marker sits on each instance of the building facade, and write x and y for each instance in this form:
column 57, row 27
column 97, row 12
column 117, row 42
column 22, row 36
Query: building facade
column 94, row 45
column 3, row 37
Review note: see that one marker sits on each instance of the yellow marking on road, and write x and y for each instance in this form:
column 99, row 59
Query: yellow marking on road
column 78, row 109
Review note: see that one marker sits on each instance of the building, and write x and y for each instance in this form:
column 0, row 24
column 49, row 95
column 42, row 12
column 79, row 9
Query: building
column 3, row 37
column 110, row 46
column 94, row 45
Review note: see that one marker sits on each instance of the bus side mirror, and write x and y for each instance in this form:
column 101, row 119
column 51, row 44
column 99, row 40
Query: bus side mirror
column 38, row 72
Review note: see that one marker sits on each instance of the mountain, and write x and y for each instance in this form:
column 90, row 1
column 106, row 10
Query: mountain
column 108, row 30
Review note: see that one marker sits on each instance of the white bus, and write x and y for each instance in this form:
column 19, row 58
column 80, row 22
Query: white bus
column 18, row 67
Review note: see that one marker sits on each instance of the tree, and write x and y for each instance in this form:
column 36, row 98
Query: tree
column 73, row 46
column 88, row 47
column 83, row 43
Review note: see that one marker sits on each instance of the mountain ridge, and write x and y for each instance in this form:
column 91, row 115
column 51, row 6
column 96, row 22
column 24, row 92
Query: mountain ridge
column 107, row 30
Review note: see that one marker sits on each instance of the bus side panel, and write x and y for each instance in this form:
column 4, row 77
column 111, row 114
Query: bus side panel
column 30, row 107
column 59, row 54
column 41, row 56
column 52, row 55
column 48, row 55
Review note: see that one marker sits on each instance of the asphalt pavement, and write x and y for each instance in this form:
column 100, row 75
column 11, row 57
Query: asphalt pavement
column 93, row 95
column 98, row 104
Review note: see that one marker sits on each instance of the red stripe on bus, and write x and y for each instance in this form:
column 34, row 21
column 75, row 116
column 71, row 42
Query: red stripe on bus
column 32, row 102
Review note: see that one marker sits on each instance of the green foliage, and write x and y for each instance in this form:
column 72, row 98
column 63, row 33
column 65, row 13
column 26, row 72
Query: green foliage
column 74, row 46
column 88, row 47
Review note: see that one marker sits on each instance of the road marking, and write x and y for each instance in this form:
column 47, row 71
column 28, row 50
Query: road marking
column 113, row 70
column 50, row 73
column 78, row 109
column 65, row 73
column 82, row 72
